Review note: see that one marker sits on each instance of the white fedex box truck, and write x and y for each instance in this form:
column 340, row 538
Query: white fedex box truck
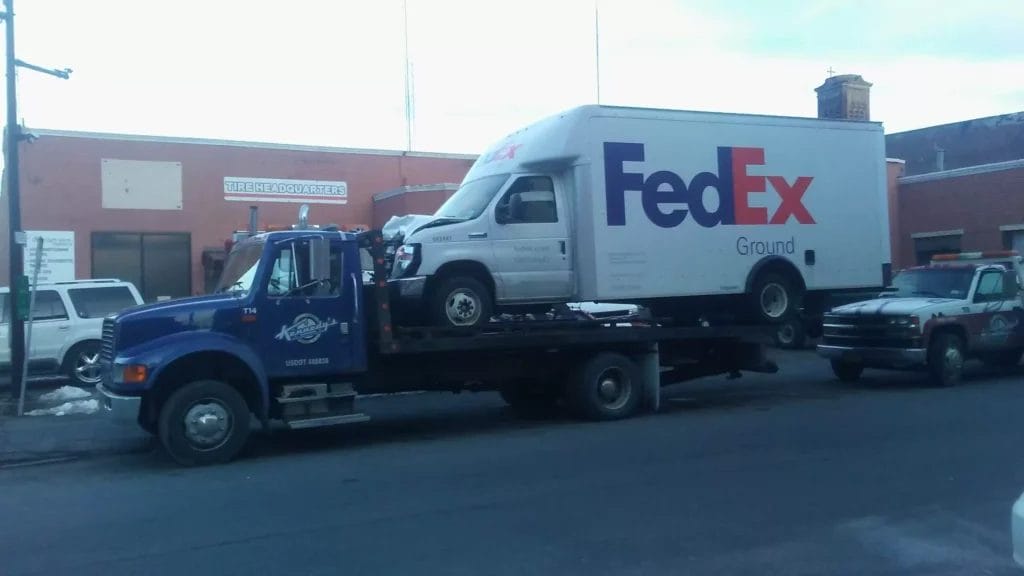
column 676, row 210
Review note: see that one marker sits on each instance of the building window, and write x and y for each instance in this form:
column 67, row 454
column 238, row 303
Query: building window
column 926, row 246
column 159, row 265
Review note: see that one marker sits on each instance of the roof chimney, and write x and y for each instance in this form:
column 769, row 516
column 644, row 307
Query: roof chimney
column 844, row 97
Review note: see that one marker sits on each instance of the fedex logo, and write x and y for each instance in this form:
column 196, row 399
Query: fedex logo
column 506, row 152
column 732, row 182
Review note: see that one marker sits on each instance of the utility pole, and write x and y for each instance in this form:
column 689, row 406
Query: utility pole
column 15, row 235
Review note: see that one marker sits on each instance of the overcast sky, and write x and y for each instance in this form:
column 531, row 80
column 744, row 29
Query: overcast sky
column 331, row 72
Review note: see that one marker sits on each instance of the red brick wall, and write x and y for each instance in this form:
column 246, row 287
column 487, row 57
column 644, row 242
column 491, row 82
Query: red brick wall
column 61, row 188
column 979, row 204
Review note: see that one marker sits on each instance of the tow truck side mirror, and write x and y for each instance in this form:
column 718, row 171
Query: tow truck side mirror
column 319, row 258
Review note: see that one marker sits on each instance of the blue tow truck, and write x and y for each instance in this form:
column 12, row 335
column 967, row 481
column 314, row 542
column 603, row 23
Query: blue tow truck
column 294, row 334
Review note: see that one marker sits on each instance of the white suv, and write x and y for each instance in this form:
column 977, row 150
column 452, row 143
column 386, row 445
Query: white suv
column 67, row 324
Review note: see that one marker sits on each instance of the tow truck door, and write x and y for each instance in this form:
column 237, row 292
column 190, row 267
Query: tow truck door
column 305, row 326
column 996, row 311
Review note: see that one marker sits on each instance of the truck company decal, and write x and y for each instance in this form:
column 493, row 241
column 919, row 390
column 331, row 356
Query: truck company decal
column 732, row 182
column 506, row 152
column 305, row 329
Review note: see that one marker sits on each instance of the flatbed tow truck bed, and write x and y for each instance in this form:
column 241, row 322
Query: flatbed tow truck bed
column 504, row 355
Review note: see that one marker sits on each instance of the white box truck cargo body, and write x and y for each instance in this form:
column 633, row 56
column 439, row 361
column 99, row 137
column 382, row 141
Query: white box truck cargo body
column 622, row 204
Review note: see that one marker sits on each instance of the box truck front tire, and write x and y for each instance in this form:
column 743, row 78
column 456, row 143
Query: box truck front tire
column 461, row 301
column 774, row 298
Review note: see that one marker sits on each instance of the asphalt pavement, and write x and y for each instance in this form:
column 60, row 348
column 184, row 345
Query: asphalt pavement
column 789, row 474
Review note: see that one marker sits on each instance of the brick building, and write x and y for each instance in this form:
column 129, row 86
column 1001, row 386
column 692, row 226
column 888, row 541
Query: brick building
column 962, row 188
column 157, row 211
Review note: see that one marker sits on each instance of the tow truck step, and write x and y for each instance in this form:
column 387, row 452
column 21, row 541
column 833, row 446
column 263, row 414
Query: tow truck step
column 312, row 392
column 327, row 421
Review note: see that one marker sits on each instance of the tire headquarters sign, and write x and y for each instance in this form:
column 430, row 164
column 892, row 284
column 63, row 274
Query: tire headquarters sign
column 279, row 190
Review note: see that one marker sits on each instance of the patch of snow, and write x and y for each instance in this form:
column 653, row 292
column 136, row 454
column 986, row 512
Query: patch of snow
column 64, row 393
column 73, row 407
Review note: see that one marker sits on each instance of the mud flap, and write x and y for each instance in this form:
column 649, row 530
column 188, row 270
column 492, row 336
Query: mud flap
column 650, row 367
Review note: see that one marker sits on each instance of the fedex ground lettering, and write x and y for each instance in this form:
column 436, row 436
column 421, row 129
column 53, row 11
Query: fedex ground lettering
column 732, row 182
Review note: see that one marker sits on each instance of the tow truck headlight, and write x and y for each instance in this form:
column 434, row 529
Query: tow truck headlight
column 905, row 321
column 406, row 259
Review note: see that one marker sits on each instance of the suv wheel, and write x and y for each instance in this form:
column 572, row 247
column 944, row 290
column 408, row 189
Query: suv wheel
column 82, row 364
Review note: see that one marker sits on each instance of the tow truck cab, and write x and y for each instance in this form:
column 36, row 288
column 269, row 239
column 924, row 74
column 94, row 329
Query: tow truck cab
column 287, row 308
column 933, row 318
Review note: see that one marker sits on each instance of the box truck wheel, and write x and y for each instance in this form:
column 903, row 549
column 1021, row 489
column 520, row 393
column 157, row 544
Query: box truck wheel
column 607, row 386
column 204, row 422
column 461, row 301
column 774, row 298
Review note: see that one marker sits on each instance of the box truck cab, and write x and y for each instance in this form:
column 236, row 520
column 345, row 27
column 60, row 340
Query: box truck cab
column 677, row 210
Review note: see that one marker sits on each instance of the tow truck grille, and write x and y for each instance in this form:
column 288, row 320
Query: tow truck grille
column 107, row 347
column 866, row 331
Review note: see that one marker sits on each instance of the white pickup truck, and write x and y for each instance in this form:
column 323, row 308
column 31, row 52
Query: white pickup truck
column 933, row 318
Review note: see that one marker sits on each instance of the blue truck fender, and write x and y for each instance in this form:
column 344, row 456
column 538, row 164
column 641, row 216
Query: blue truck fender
column 160, row 353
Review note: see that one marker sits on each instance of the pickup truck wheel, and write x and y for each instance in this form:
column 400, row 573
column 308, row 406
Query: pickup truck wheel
column 461, row 301
column 205, row 422
column 607, row 386
column 82, row 363
column 946, row 359
column 790, row 335
column 774, row 298
column 847, row 371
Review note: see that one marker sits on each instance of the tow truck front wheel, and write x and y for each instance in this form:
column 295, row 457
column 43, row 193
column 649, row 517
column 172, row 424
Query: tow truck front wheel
column 205, row 422
column 946, row 359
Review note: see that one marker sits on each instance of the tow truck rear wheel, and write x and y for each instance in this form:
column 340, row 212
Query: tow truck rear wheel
column 946, row 359
column 204, row 422
column 606, row 386
column 790, row 335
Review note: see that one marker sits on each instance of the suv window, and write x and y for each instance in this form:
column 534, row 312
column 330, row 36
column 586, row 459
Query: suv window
column 49, row 306
column 101, row 302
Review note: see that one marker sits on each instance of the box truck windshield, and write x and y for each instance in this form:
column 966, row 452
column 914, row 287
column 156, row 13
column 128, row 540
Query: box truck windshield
column 472, row 198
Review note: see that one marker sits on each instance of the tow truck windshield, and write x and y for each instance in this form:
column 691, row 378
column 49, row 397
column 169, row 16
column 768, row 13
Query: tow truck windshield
column 240, row 268
column 952, row 283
